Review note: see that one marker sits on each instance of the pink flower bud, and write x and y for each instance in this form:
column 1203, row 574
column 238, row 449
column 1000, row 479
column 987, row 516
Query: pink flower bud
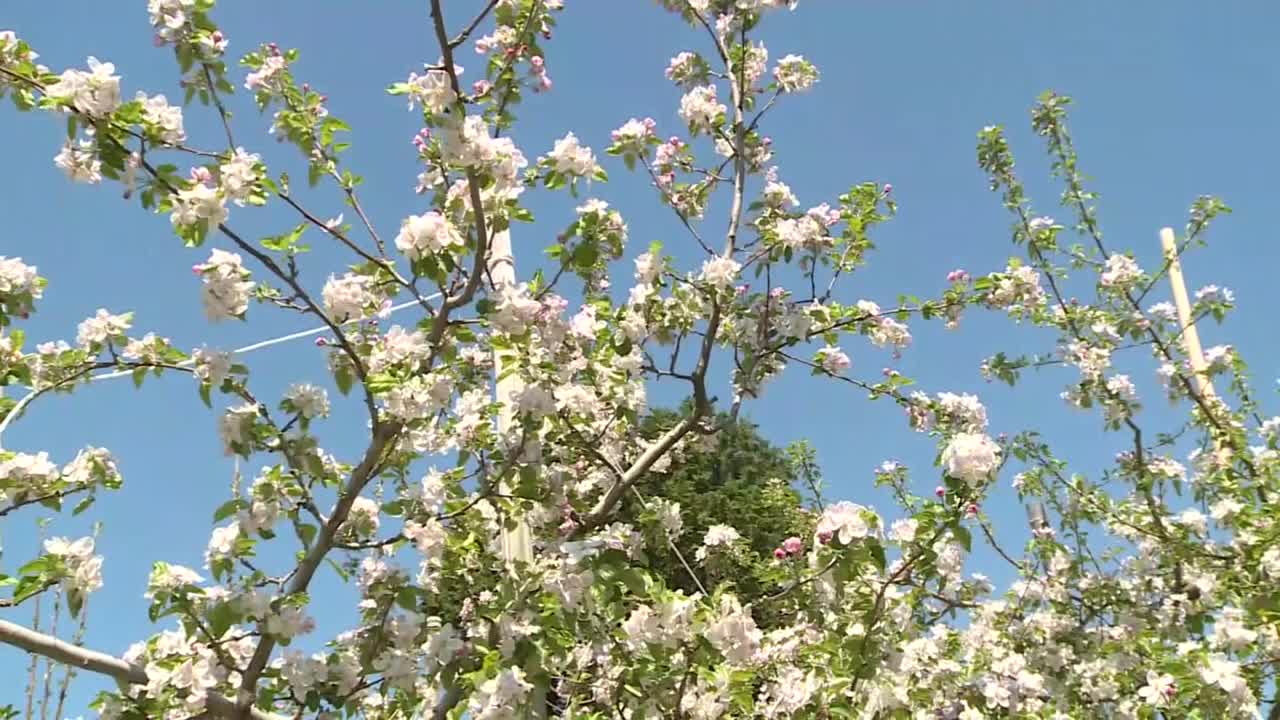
column 793, row 545
column 157, row 41
column 779, row 554
column 971, row 510
column 537, row 62
column 824, row 537
column 940, row 491
column 480, row 87
column 888, row 188
column 197, row 269
column 321, row 342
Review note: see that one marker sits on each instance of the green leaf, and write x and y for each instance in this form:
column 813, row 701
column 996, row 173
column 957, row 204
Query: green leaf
column 28, row 586
column 227, row 509
column 342, row 378
column 83, row 505
column 306, row 533
column 75, row 602
column 221, row 618
column 338, row 569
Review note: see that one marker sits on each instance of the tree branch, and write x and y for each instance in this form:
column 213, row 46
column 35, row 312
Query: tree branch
column 61, row 651
column 360, row 476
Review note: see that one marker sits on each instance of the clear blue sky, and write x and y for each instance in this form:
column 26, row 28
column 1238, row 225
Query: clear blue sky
column 1174, row 100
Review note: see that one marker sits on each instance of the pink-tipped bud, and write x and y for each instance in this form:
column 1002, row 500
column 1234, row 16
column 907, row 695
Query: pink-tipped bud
column 793, row 545
column 779, row 554
column 537, row 62
column 197, row 269
column 940, row 491
column 321, row 342
column 824, row 537
column 888, row 188
column 971, row 510
column 481, row 87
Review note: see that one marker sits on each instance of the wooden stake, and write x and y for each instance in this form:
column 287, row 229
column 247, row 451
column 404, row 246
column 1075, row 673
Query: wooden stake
column 517, row 543
column 1190, row 338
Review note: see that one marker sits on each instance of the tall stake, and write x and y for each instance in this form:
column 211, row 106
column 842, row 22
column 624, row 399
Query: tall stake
column 1190, row 338
column 517, row 543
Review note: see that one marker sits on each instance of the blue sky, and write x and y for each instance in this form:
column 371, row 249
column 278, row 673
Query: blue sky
column 1173, row 101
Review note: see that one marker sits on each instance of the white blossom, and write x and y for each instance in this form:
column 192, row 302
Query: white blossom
column 79, row 160
column 95, row 93
column 700, row 108
column 226, row 287
column 102, row 327
column 199, row 205
column 971, row 457
column 569, row 157
column 427, row 234
column 166, row 119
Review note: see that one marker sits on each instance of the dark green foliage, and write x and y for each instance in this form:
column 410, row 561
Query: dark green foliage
column 741, row 481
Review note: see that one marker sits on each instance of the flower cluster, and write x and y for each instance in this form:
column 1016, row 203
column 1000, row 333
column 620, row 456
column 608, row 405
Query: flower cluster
column 225, row 286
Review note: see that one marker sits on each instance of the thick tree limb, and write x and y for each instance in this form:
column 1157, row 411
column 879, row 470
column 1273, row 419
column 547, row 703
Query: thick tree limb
column 637, row 470
column 360, row 476
column 38, row 643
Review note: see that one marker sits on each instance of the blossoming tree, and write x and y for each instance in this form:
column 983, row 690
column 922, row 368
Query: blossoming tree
column 1128, row 603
